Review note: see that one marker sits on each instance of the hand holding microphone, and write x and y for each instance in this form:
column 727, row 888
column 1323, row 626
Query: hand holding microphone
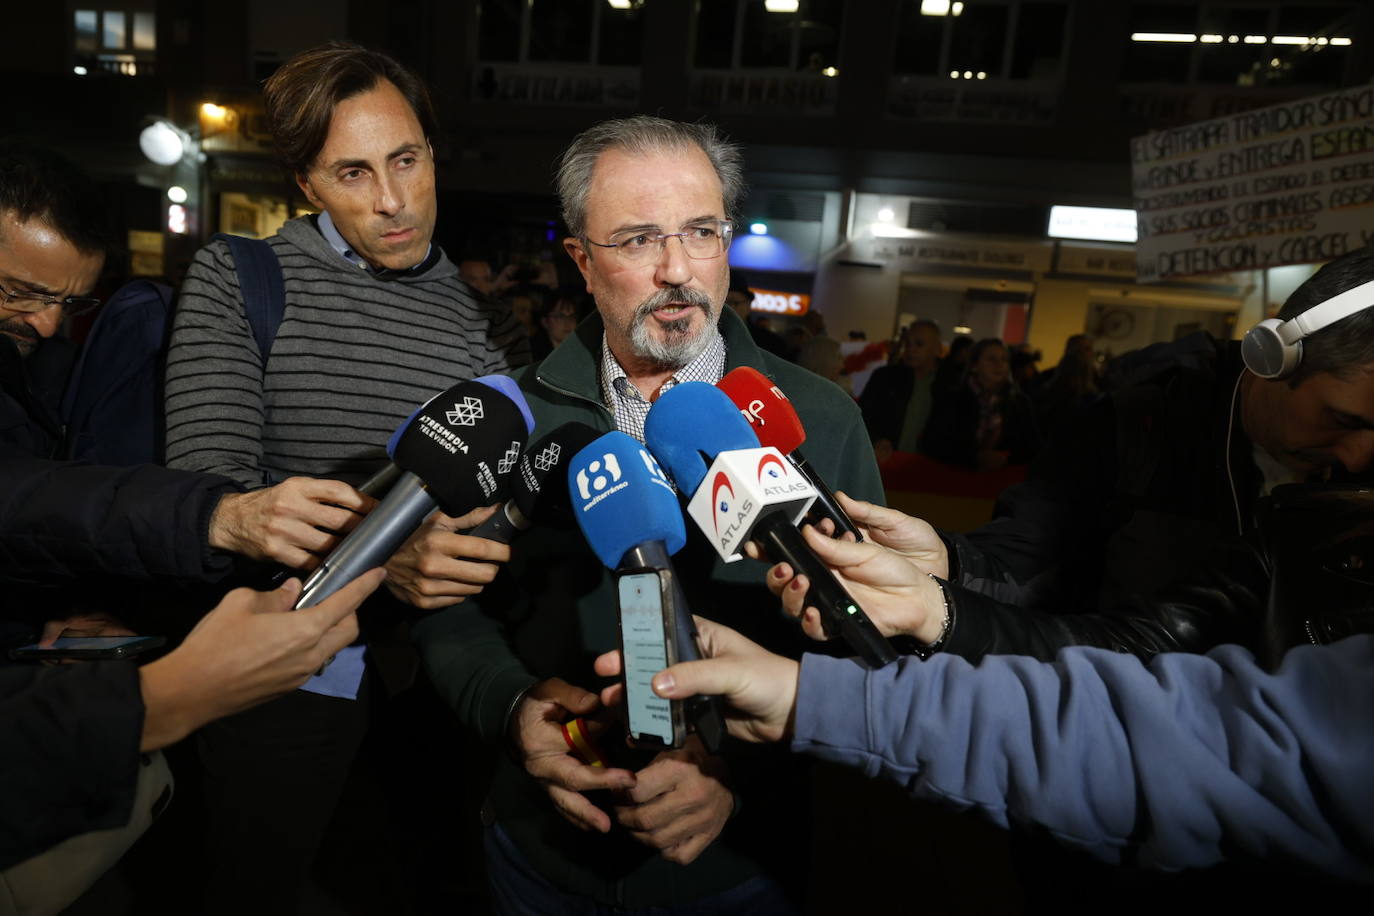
column 629, row 514
column 457, row 451
column 750, row 493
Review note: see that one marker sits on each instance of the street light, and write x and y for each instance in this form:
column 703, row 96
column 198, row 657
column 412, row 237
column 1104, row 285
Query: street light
column 164, row 143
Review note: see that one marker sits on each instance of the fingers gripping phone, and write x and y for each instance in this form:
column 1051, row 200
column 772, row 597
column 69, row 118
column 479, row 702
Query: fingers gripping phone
column 648, row 644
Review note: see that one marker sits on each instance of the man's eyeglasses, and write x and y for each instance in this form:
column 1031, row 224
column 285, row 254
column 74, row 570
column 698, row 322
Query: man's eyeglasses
column 701, row 241
column 23, row 300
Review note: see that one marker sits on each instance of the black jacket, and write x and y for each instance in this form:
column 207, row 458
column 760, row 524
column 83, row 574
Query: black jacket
column 951, row 433
column 1149, row 509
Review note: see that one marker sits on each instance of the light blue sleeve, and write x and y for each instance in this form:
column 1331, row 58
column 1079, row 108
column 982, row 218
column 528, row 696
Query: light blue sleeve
column 1171, row 766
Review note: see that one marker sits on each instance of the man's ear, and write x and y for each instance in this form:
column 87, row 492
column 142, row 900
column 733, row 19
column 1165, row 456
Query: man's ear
column 303, row 182
column 573, row 246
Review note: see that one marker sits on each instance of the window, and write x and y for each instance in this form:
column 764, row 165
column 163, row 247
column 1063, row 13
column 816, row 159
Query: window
column 145, row 32
column 113, row 30
column 745, row 33
column 1239, row 43
column 561, row 31
column 122, row 41
column 87, row 22
column 982, row 39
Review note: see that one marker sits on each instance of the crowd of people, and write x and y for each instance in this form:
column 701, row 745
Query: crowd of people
column 1203, row 501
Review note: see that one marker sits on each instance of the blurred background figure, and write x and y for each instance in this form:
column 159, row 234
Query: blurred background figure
column 1068, row 387
column 897, row 400
column 740, row 298
column 955, row 361
column 555, row 317
column 986, row 422
column 820, row 352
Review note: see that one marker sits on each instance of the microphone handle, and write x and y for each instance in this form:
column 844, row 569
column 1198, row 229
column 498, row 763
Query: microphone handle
column 372, row 543
column 826, row 506
column 505, row 523
column 840, row 614
column 703, row 712
column 380, row 483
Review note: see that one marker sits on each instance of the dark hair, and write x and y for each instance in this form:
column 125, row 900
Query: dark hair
column 640, row 135
column 923, row 323
column 1348, row 345
column 37, row 183
column 301, row 96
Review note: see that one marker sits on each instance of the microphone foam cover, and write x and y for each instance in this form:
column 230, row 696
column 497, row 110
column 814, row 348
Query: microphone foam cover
column 463, row 444
column 767, row 409
column 508, row 386
column 501, row 383
column 688, row 420
column 621, row 497
column 540, row 484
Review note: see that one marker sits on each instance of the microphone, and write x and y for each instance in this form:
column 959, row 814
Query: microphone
column 748, row 493
column 539, row 486
column 629, row 514
column 776, row 423
column 456, row 452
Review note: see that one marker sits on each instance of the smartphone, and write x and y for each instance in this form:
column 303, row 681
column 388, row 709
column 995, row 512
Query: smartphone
column 90, row 647
column 648, row 645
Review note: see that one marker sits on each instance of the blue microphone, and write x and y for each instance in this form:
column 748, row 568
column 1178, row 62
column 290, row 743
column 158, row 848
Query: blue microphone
column 630, row 516
column 740, row 492
column 456, row 452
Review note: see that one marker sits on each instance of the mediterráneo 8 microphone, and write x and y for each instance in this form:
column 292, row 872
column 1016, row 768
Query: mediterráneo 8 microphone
column 776, row 423
column 456, row 451
column 539, row 485
column 629, row 514
column 748, row 492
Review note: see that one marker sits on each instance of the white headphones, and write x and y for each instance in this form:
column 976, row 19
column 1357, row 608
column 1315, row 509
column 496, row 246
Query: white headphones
column 1272, row 349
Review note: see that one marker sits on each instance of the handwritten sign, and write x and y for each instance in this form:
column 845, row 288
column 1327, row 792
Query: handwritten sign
column 1288, row 184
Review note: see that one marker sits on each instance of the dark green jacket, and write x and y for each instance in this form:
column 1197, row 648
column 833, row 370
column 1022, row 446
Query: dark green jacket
column 553, row 610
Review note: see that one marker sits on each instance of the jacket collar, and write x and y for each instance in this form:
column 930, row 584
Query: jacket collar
column 573, row 365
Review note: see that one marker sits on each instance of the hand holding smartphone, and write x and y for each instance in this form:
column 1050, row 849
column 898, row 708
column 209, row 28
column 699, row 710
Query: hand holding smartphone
column 648, row 644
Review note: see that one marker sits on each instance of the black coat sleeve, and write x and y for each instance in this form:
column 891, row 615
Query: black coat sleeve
column 70, row 737
column 61, row 521
column 1223, row 601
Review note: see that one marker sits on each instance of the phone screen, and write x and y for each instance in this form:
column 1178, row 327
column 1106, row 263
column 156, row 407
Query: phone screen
column 646, row 653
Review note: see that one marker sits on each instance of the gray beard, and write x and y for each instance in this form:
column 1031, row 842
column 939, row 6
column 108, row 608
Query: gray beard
column 678, row 347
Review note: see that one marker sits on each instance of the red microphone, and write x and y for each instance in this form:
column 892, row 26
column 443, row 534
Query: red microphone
column 775, row 421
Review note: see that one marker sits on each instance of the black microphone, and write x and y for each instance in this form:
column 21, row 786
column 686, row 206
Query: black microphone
column 457, row 452
column 539, row 485
column 750, row 493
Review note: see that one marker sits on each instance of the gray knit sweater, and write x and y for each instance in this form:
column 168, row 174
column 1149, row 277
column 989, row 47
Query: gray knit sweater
column 353, row 358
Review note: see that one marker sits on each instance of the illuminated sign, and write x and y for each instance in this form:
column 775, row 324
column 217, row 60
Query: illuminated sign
column 1100, row 224
column 778, row 303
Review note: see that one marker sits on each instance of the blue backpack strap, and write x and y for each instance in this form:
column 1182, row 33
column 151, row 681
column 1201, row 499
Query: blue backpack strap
column 262, row 286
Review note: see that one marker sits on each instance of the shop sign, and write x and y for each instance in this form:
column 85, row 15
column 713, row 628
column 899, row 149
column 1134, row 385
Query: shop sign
column 1110, row 262
column 1288, row 184
column 779, row 303
column 912, row 254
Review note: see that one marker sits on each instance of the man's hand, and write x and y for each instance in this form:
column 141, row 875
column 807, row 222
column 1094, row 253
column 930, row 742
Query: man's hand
column 897, row 596
column 536, row 731
column 911, row 537
column 294, row 523
column 250, row 648
column 437, row 567
column 680, row 802
column 759, row 688
column 90, row 623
